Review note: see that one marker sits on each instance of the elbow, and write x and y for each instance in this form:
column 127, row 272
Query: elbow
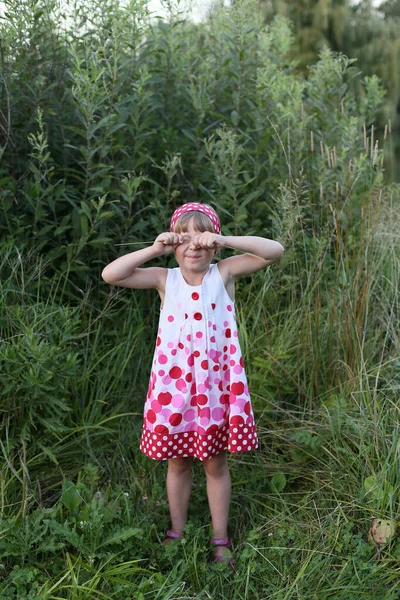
column 279, row 251
column 276, row 253
column 106, row 276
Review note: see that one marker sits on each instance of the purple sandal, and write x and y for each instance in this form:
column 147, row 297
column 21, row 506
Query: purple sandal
column 223, row 542
column 173, row 535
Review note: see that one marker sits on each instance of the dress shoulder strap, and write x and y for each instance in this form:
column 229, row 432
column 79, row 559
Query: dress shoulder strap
column 173, row 275
column 173, row 284
column 215, row 276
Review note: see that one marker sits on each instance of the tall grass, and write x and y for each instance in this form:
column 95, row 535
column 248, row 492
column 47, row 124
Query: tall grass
column 113, row 123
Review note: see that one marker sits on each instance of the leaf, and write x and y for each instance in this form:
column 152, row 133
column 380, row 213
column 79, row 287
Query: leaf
column 45, row 230
column 70, row 496
column 122, row 535
column 86, row 210
column 190, row 135
column 377, row 490
column 235, row 118
column 369, row 483
column 49, row 453
column 77, row 130
column 107, row 214
column 100, row 241
column 103, row 122
column 278, row 482
column 84, row 225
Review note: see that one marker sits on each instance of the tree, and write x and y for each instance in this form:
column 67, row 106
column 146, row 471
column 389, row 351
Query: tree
column 369, row 34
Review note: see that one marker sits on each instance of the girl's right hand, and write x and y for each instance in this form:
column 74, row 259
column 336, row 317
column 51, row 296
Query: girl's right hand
column 167, row 242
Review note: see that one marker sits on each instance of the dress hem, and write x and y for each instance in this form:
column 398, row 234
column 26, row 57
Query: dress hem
column 234, row 438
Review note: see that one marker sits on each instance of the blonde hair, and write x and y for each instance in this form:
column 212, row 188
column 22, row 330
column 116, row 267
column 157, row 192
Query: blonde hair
column 200, row 222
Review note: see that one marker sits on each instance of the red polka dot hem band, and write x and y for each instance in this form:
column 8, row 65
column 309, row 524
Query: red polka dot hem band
column 236, row 438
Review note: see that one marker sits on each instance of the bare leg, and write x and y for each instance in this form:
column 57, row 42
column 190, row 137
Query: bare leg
column 178, row 490
column 219, row 496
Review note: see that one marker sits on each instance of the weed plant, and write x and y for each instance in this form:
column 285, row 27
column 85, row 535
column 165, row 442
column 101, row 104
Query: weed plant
column 108, row 121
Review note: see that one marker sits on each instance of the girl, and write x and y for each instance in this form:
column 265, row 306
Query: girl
column 198, row 402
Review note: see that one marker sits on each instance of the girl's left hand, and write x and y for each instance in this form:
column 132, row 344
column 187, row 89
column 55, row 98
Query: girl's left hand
column 208, row 240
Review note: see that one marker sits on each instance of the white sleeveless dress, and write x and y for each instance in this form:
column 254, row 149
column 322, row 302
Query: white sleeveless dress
column 198, row 401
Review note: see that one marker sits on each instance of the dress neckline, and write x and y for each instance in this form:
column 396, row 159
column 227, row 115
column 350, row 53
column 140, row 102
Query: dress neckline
column 195, row 286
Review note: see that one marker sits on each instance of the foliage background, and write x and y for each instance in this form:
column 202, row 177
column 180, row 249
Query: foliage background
column 368, row 31
column 108, row 121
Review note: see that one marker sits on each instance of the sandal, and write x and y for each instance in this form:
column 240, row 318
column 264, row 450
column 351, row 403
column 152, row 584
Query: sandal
column 221, row 558
column 171, row 535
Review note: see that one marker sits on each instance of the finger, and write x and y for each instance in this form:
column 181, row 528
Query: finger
column 207, row 241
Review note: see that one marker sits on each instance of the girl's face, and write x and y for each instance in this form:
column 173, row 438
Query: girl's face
column 188, row 256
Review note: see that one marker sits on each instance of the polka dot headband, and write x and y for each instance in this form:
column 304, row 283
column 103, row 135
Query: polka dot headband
column 207, row 210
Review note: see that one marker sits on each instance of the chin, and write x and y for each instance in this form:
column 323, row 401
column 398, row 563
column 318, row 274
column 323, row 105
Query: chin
column 198, row 267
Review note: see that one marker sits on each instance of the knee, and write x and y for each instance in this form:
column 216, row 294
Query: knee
column 217, row 466
column 179, row 466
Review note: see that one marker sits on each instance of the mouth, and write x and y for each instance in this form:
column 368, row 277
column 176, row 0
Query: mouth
column 193, row 257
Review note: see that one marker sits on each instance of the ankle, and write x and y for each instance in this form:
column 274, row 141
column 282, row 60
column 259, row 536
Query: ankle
column 220, row 534
column 178, row 527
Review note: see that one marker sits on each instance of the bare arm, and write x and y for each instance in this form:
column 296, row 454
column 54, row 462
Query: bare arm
column 125, row 271
column 261, row 252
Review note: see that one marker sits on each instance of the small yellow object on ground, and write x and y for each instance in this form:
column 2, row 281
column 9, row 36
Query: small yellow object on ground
column 382, row 530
